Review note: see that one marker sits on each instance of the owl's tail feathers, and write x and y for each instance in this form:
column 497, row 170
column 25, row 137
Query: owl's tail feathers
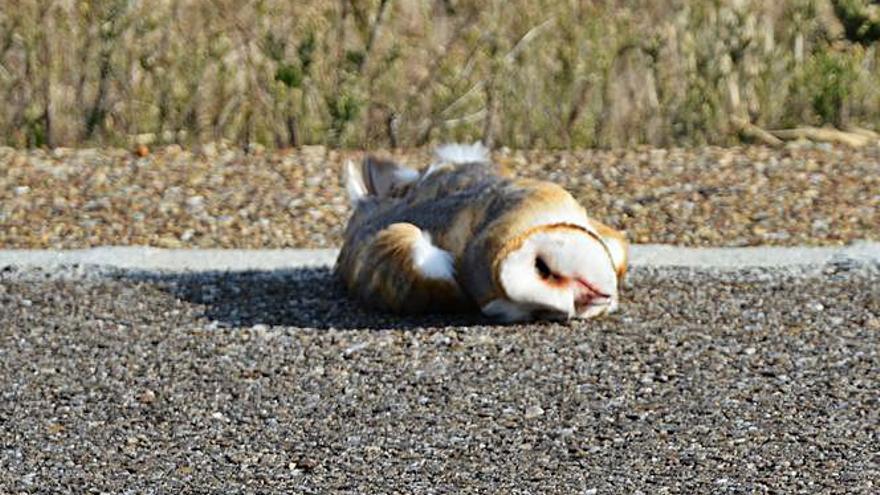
column 376, row 177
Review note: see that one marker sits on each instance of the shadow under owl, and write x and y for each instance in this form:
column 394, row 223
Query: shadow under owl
column 310, row 298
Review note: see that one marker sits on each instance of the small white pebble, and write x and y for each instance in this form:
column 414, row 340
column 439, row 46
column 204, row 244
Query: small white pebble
column 195, row 201
column 355, row 348
column 534, row 412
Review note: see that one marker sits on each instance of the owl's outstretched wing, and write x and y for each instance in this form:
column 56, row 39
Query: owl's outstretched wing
column 399, row 269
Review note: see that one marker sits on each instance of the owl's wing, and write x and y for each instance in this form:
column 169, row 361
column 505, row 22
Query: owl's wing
column 376, row 178
column 399, row 269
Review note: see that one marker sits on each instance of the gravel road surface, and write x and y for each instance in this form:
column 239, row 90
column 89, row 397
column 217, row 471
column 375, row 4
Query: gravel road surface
column 749, row 381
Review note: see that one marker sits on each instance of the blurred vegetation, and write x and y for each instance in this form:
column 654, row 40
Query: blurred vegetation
column 376, row 73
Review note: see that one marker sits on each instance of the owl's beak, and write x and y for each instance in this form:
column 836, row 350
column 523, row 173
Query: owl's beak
column 587, row 296
column 588, row 300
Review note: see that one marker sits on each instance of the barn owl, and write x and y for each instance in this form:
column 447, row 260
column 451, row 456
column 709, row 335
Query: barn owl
column 464, row 234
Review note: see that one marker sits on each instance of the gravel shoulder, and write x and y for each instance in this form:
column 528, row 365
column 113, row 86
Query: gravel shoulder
column 741, row 381
column 216, row 197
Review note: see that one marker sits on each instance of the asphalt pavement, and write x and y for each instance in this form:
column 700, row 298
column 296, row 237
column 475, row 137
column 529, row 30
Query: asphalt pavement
column 750, row 380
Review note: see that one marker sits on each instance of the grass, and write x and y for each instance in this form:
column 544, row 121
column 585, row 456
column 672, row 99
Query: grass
column 379, row 73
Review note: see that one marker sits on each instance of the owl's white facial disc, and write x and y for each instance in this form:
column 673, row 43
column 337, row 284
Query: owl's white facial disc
column 558, row 273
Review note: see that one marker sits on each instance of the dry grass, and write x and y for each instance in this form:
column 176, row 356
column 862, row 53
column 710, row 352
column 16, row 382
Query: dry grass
column 365, row 73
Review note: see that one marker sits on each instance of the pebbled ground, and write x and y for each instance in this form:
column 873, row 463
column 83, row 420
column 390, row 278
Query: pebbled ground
column 221, row 197
column 743, row 382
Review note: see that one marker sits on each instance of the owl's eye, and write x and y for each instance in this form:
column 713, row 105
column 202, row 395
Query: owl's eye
column 543, row 270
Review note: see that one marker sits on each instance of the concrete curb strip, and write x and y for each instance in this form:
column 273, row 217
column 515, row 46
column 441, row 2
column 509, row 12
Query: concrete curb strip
column 649, row 255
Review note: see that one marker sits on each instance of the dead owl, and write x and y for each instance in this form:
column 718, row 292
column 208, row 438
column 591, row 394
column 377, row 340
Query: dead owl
column 463, row 234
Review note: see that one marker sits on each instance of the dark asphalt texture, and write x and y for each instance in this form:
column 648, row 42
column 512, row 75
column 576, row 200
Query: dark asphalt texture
column 706, row 382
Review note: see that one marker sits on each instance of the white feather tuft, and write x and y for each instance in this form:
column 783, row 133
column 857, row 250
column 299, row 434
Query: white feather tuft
column 405, row 175
column 354, row 183
column 462, row 153
column 431, row 261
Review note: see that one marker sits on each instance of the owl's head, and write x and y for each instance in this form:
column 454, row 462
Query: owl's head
column 559, row 271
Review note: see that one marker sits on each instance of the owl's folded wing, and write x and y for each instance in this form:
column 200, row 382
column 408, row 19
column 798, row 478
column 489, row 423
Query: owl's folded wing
column 399, row 269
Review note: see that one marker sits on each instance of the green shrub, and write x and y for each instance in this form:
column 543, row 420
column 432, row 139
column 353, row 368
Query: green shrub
column 290, row 75
column 833, row 75
column 860, row 19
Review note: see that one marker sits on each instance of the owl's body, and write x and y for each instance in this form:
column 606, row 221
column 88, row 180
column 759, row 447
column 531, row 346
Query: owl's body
column 463, row 234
